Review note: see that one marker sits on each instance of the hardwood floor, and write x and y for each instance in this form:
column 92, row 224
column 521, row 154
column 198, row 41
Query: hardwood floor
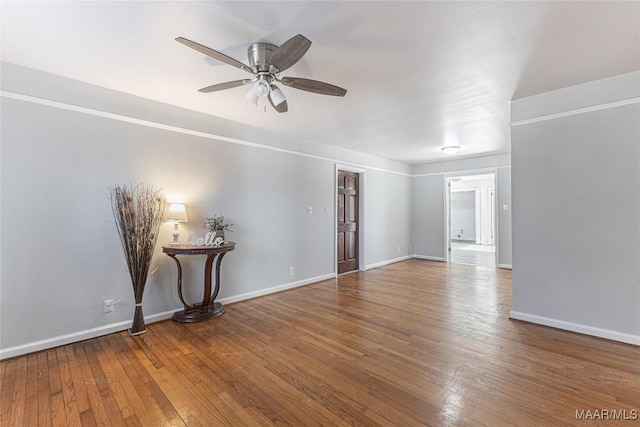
column 410, row 344
column 460, row 254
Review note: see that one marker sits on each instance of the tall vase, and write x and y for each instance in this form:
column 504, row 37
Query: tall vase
column 138, row 213
column 137, row 326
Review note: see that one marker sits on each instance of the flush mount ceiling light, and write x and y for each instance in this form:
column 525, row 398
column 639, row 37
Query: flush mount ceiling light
column 450, row 149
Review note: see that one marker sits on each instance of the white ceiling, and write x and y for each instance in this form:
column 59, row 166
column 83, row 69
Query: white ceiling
column 419, row 74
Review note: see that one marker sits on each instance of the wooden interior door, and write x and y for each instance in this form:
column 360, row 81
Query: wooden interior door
column 347, row 222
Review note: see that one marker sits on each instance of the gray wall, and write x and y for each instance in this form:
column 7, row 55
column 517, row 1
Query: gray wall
column 576, row 209
column 428, row 204
column 428, row 217
column 387, row 218
column 60, row 251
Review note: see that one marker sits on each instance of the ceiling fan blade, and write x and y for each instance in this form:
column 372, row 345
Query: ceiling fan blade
column 280, row 108
column 313, row 86
column 290, row 52
column 223, row 86
column 214, row 54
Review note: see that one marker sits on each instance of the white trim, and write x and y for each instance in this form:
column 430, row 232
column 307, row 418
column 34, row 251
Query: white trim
column 576, row 327
column 496, row 218
column 429, row 258
column 420, row 175
column 506, row 266
column 387, row 262
column 447, row 207
column 455, row 172
column 141, row 122
column 275, row 289
column 470, row 172
column 126, row 324
column 349, row 168
column 177, row 129
column 447, row 218
column 362, row 176
column 79, row 336
column 576, row 111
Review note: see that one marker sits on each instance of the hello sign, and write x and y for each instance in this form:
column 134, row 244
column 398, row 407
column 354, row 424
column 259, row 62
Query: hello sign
column 209, row 239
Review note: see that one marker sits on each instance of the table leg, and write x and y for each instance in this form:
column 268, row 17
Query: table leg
column 208, row 308
column 217, row 288
column 186, row 306
column 206, row 299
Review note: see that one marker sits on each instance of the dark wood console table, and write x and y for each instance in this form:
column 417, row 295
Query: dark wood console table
column 208, row 308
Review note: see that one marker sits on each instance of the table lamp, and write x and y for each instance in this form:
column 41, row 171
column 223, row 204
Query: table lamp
column 176, row 213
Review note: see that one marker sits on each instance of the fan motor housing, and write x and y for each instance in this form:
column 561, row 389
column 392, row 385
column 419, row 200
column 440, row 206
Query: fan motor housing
column 260, row 55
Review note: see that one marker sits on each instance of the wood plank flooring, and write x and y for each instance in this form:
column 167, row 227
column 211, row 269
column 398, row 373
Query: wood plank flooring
column 460, row 255
column 416, row 343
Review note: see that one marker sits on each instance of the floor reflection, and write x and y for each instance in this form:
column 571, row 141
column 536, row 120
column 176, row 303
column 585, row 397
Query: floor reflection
column 470, row 253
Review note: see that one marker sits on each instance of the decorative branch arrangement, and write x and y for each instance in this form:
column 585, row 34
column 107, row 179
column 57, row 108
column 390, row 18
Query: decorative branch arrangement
column 138, row 213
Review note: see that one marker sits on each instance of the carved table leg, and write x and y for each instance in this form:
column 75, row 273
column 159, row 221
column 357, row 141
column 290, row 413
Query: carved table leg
column 215, row 308
column 208, row 308
column 180, row 282
column 217, row 288
column 207, row 279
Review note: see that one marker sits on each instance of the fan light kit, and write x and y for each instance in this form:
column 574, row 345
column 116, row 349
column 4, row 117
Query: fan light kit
column 259, row 91
column 266, row 62
column 450, row 149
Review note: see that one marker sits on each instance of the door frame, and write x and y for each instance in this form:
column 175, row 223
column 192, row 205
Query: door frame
column 448, row 176
column 361, row 216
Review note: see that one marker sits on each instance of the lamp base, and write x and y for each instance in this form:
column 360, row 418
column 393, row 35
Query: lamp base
column 176, row 236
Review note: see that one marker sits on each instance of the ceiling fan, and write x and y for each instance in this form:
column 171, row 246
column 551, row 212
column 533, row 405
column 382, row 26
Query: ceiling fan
column 266, row 62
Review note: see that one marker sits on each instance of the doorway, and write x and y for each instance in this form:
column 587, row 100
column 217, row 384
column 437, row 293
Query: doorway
column 471, row 220
column 348, row 221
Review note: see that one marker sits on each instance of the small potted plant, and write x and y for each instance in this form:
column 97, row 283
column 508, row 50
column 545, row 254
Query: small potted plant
column 216, row 224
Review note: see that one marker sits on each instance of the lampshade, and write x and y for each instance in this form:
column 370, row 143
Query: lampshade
column 450, row 149
column 176, row 213
column 277, row 97
column 259, row 90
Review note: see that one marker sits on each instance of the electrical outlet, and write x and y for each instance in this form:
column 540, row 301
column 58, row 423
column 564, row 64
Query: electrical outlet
column 291, row 271
column 107, row 306
column 398, row 249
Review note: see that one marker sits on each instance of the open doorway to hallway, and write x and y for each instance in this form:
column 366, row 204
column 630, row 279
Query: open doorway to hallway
column 471, row 219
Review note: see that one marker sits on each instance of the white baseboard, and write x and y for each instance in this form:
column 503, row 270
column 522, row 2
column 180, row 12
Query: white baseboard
column 273, row 290
column 126, row 324
column 79, row 336
column 507, row 266
column 576, row 327
column 429, row 258
column 387, row 262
